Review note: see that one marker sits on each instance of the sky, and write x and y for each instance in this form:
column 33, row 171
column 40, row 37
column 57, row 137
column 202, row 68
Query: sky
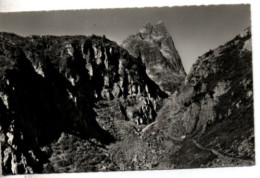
column 194, row 29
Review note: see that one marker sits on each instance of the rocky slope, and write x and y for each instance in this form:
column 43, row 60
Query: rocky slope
column 49, row 89
column 76, row 103
column 155, row 46
column 209, row 122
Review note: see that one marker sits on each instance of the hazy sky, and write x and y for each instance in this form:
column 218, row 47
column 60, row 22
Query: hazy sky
column 194, row 29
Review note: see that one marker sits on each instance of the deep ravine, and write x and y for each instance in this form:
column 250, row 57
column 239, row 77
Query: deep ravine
column 79, row 104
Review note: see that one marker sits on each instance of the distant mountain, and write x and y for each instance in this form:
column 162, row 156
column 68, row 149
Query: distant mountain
column 51, row 85
column 155, row 46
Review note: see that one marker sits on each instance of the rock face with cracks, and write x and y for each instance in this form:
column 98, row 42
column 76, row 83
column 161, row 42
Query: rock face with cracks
column 77, row 104
column 50, row 85
column 155, row 46
column 212, row 115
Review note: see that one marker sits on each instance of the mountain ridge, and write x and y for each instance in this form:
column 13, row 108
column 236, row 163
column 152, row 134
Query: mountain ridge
column 213, row 112
column 78, row 103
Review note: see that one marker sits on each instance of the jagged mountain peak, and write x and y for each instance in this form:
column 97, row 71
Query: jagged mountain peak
column 159, row 54
column 155, row 31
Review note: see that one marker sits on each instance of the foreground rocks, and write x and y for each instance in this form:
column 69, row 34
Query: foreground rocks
column 50, row 85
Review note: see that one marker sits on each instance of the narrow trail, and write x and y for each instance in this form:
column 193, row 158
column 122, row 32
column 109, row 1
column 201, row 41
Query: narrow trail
column 221, row 156
column 148, row 126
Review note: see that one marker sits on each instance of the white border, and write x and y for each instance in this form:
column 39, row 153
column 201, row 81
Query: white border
column 36, row 5
column 238, row 172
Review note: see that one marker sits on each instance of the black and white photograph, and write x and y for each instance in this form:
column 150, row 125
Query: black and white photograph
column 126, row 89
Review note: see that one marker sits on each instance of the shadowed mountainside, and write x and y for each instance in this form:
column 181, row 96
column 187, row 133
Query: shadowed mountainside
column 77, row 104
column 50, row 85
column 212, row 115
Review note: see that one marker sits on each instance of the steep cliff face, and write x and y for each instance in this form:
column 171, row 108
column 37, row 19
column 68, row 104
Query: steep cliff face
column 208, row 122
column 50, row 85
column 157, row 50
column 212, row 115
column 77, row 103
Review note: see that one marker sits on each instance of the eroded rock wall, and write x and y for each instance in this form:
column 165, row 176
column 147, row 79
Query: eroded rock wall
column 49, row 85
column 215, row 107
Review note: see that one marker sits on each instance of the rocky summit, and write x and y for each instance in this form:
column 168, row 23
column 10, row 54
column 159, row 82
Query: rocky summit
column 83, row 103
column 155, row 46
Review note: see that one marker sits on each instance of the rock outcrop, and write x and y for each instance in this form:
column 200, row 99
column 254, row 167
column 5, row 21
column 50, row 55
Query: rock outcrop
column 50, row 85
column 155, row 46
column 208, row 122
column 77, row 103
column 212, row 115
